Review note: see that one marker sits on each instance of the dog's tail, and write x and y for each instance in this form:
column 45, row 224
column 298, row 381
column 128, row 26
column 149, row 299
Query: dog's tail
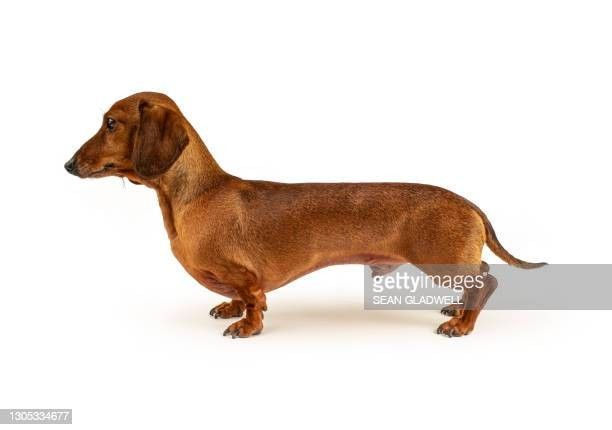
column 498, row 249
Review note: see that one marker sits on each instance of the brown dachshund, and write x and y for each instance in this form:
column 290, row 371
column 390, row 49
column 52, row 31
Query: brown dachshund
column 243, row 238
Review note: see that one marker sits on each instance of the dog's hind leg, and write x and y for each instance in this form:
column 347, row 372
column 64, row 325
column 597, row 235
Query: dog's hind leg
column 456, row 309
column 474, row 300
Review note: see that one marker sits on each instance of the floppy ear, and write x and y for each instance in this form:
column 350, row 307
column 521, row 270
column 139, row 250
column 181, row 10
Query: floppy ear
column 160, row 139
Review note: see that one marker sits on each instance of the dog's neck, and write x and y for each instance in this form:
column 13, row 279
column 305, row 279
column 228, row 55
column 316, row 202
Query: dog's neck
column 194, row 173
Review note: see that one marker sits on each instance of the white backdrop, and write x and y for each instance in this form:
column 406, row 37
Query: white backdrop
column 507, row 104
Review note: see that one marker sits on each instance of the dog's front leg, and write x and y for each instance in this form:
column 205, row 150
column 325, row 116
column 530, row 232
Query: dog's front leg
column 254, row 300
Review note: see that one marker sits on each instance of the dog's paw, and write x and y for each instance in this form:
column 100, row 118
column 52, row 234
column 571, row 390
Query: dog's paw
column 233, row 309
column 243, row 328
column 454, row 310
column 455, row 327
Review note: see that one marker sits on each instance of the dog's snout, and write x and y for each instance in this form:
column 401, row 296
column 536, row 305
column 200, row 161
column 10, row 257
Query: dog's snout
column 70, row 166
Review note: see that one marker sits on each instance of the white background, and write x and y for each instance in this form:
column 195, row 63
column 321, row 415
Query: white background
column 506, row 103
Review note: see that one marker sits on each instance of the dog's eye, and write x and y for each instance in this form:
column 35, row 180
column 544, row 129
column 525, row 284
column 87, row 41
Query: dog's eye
column 110, row 124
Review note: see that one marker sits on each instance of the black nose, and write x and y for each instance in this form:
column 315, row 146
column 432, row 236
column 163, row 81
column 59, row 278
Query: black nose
column 70, row 166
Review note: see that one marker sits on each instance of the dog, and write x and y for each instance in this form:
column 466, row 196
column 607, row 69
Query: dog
column 243, row 238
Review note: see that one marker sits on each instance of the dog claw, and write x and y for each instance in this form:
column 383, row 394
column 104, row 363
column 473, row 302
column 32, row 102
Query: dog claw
column 243, row 328
column 455, row 327
column 226, row 310
column 233, row 333
column 452, row 310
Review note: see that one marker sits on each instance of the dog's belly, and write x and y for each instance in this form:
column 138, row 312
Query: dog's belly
column 357, row 258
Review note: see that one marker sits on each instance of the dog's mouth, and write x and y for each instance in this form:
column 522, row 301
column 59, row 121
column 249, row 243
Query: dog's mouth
column 108, row 169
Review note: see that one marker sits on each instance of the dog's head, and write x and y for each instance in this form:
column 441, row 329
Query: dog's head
column 140, row 138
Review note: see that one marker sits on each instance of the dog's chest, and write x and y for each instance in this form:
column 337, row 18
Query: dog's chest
column 203, row 276
column 181, row 253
